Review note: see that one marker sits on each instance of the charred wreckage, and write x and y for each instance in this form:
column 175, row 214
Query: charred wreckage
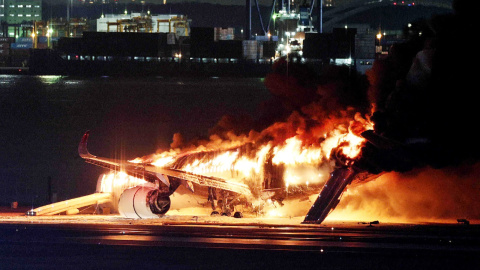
column 152, row 198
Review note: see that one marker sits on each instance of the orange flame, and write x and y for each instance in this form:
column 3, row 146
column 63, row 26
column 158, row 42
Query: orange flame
column 302, row 161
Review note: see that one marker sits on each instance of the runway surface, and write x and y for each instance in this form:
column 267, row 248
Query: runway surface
column 192, row 242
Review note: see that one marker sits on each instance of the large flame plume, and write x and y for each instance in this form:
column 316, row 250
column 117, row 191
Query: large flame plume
column 295, row 150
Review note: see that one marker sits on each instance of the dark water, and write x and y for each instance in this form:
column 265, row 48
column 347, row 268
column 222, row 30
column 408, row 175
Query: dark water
column 43, row 118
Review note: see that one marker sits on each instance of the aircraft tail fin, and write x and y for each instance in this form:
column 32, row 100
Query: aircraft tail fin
column 82, row 147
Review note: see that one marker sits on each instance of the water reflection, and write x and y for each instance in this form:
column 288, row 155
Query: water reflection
column 57, row 80
column 49, row 79
column 7, row 79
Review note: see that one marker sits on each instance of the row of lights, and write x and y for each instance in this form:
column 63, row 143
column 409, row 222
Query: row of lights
column 403, row 3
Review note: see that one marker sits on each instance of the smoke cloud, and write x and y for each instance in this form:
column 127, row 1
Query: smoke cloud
column 421, row 195
column 423, row 89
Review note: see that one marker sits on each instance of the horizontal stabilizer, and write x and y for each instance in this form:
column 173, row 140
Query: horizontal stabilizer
column 64, row 206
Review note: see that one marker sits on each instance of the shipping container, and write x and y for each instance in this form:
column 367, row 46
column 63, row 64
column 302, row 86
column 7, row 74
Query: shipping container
column 21, row 46
column 6, row 40
column 224, row 33
column 42, row 39
column 251, row 49
column 24, row 40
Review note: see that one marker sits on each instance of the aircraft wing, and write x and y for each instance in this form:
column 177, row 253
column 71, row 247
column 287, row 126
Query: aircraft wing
column 132, row 169
column 153, row 174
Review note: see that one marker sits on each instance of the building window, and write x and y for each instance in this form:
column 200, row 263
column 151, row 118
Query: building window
column 20, row 6
column 28, row 15
column 28, row 6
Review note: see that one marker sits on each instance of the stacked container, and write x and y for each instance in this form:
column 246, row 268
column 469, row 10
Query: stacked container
column 252, row 50
column 5, row 46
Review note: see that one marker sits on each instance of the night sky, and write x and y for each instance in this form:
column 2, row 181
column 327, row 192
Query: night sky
column 223, row 2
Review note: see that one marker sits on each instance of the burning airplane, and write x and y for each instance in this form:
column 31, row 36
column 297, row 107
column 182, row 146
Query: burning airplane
column 324, row 141
column 247, row 174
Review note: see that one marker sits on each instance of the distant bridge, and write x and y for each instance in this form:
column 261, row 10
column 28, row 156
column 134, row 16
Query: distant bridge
column 338, row 13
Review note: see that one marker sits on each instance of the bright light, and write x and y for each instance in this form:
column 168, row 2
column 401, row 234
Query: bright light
column 379, row 36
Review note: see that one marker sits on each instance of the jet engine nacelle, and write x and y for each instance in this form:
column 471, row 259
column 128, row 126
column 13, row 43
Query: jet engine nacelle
column 143, row 202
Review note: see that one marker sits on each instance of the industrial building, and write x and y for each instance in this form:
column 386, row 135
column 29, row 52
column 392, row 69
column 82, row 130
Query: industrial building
column 20, row 11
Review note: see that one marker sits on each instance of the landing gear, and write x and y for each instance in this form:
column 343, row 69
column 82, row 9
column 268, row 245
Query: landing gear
column 212, row 197
column 224, row 203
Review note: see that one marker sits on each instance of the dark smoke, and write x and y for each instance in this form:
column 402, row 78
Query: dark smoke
column 424, row 94
column 304, row 103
